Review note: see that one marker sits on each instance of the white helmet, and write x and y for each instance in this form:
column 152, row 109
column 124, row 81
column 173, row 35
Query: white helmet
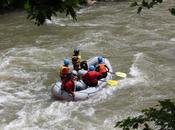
column 74, row 72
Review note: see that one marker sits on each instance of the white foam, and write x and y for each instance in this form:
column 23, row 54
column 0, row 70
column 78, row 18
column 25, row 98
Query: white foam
column 135, row 71
column 4, row 63
column 5, row 96
column 63, row 22
column 91, row 39
column 172, row 39
column 109, row 123
column 89, row 112
column 56, row 21
column 137, row 76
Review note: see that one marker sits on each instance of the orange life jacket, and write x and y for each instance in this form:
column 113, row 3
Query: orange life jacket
column 102, row 68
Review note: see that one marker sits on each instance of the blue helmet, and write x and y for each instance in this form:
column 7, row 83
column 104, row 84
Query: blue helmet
column 100, row 59
column 91, row 67
column 66, row 61
column 76, row 51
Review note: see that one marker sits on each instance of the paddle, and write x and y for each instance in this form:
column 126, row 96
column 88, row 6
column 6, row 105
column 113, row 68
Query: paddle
column 120, row 74
column 110, row 82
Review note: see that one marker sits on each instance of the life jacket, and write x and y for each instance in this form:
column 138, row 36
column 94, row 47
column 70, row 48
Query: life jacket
column 76, row 59
column 68, row 85
column 63, row 70
column 102, row 68
column 91, row 76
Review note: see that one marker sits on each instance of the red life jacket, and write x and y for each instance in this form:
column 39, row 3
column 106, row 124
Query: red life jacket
column 68, row 85
column 91, row 76
column 102, row 68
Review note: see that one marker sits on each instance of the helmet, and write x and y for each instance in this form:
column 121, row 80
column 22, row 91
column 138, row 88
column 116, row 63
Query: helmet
column 100, row 59
column 76, row 51
column 66, row 61
column 74, row 72
column 91, row 67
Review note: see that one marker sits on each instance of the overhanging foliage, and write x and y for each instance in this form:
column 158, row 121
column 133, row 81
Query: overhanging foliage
column 39, row 10
column 148, row 4
column 163, row 116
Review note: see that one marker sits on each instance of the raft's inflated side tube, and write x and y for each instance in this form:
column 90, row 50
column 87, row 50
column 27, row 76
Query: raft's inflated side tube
column 86, row 93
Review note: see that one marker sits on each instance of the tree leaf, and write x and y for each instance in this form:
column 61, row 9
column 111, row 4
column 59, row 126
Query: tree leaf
column 27, row 5
column 172, row 10
column 139, row 10
column 159, row 1
column 133, row 4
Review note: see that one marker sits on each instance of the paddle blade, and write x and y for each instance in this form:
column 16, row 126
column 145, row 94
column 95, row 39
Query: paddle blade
column 120, row 74
column 112, row 82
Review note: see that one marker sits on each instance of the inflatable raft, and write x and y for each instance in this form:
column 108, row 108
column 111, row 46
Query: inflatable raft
column 85, row 93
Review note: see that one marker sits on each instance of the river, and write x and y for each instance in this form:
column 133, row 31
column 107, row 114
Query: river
column 143, row 46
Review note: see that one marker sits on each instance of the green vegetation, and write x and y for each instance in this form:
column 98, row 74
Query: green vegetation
column 148, row 5
column 162, row 116
column 39, row 10
column 44, row 9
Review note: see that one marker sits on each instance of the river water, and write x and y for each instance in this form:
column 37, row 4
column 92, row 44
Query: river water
column 143, row 46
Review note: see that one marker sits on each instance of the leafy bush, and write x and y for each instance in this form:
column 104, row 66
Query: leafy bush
column 39, row 10
column 163, row 116
column 148, row 4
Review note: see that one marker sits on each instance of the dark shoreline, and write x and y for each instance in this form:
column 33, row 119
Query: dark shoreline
column 10, row 10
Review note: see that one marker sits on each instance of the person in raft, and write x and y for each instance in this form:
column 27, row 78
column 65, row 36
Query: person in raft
column 76, row 58
column 101, row 67
column 76, row 78
column 64, row 69
column 91, row 77
column 68, row 85
column 83, row 68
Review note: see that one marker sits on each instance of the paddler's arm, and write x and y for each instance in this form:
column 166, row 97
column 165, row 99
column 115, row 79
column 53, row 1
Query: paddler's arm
column 107, row 68
column 71, row 92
